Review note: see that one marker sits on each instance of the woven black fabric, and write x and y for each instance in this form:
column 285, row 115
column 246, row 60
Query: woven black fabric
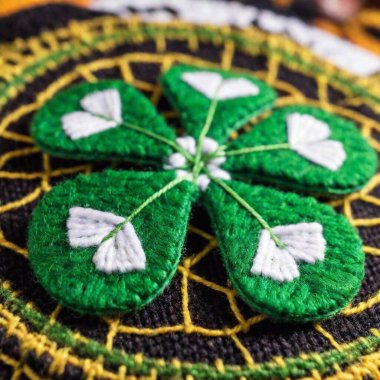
column 208, row 308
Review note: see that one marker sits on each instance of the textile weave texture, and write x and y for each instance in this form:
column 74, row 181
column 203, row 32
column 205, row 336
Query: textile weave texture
column 198, row 328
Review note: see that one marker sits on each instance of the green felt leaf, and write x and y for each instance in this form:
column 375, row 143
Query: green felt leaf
column 118, row 143
column 322, row 288
column 287, row 168
column 231, row 113
column 69, row 274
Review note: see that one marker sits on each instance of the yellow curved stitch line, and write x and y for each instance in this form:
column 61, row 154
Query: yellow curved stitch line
column 366, row 222
column 370, row 199
column 9, row 245
column 53, row 173
column 54, row 314
column 112, row 332
column 322, row 87
column 187, row 322
column 86, row 74
column 318, row 327
column 160, row 41
column 125, row 69
column 20, row 175
column 195, row 259
column 22, row 201
column 17, row 137
column 45, row 185
column 246, row 354
column 197, row 231
column 362, row 306
column 150, row 331
column 227, row 55
column 17, row 153
column 157, row 92
column 273, row 67
column 16, row 115
column 371, row 250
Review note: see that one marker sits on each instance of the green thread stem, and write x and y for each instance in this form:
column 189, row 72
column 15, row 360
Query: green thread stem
column 206, row 127
column 249, row 208
column 171, row 143
column 146, row 203
column 255, row 149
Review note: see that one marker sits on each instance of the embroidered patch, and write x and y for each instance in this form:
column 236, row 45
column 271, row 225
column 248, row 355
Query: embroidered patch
column 296, row 242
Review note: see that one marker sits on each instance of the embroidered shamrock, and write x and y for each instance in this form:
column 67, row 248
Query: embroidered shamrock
column 110, row 242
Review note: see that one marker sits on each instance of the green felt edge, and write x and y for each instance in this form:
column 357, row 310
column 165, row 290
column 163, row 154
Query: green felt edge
column 315, row 212
column 361, row 157
column 149, row 31
column 230, row 114
column 296, row 366
column 57, row 287
column 47, row 132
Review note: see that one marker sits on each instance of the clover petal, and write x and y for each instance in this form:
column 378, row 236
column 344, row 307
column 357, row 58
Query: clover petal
column 237, row 97
column 307, row 266
column 304, row 148
column 88, row 253
column 100, row 121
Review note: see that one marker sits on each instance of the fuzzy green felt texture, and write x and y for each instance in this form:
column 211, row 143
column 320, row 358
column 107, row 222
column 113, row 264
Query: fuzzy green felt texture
column 69, row 273
column 322, row 289
column 288, row 169
column 231, row 114
column 119, row 143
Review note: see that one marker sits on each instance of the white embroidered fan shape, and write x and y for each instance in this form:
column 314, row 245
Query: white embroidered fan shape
column 121, row 253
column 309, row 137
column 212, row 85
column 102, row 111
column 304, row 242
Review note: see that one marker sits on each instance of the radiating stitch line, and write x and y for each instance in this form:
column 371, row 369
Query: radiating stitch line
column 318, row 327
column 362, row 306
column 9, row 245
column 371, row 250
column 244, row 351
column 17, row 137
column 6, row 157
